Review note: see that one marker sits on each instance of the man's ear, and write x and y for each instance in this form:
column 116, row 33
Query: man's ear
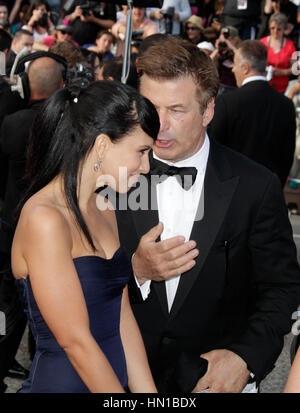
column 245, row 68
column 208, row 113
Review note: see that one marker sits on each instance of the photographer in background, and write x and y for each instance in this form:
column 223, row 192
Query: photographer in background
column 38, row 19
column 193, row 29
column 143, row 27
column 61, row 33
column 223, row 57
column 86, row 22
column 170, row 16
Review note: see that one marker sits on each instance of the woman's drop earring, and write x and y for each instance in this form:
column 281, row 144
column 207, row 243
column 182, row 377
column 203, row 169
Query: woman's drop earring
column 97, row 166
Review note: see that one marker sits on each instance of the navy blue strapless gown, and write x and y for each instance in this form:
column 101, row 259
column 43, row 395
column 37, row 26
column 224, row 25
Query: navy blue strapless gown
column 102, row 283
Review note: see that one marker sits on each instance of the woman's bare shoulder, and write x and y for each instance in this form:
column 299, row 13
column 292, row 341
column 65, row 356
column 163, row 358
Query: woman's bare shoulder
column 42, row 216
column 41, row 226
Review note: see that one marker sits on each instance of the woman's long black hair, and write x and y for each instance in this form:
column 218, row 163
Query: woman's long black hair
column 65, row 129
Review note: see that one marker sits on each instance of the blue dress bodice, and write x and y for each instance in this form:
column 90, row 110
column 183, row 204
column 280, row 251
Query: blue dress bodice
column 102, row 281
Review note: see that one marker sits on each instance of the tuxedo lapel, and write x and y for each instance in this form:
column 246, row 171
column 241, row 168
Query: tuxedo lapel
column 144, row 220
column 218, row 192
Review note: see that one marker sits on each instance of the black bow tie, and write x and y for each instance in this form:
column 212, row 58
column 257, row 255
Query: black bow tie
column 185, row 176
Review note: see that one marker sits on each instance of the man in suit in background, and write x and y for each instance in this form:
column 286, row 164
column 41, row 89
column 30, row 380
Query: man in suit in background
column 255, row 119
column 218, row 276
column 22, row 38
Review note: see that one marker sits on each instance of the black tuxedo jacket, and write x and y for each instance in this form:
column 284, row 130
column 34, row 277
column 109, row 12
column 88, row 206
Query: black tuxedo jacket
column 246, row 282
column 259, row 122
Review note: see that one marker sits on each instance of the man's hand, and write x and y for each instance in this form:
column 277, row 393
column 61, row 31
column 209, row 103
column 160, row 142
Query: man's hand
column 227, row 373
column 156, row 14
column 88, row 19
column 159, row 261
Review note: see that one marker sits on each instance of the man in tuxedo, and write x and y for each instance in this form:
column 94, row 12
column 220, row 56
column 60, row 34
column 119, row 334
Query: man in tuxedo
column 215, row 265
column 255, row 119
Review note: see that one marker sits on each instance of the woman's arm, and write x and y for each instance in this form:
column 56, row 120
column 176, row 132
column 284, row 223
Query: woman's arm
column 104, row 23
column 14, row 11
column 289, row 70
column 119, row 28
column 293, row 382
column 36, row 15
column 294, row 89
column 271, row 6
column 268, row 7
column 59, row 296
column 139, row 375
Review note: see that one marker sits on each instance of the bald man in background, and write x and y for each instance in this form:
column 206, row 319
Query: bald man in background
column 45, row 77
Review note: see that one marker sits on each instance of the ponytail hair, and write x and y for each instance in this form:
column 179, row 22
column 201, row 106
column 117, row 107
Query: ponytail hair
column 66, row 127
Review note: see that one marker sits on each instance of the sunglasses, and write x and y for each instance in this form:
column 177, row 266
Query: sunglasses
column 192, row 28
column 63, row 32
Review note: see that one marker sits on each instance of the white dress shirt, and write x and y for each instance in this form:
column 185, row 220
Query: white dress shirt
column 253, row 78
column 177, row 209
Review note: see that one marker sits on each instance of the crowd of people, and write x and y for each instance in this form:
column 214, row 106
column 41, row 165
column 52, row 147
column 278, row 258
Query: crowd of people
column 194, row 290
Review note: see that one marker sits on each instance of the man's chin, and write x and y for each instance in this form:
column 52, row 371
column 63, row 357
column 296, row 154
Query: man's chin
column 166, row 153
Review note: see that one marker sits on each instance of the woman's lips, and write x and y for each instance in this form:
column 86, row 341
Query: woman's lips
column 133, row 179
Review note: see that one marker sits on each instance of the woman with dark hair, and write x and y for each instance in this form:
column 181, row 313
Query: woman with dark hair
column 38, row 19
column 66, row 255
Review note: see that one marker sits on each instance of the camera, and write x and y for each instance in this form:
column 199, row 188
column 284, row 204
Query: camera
column 43, row 21
column 79, row 76
column 86, row 7
column 168, row 17
column 222, row 45
column 137, row 38
column 91, row 6
column 226, row 33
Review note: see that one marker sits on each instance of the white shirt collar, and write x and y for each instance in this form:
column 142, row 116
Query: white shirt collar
column 198, row 160
column 253, row 78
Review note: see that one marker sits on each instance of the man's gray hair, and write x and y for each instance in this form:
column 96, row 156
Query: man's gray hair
column 255, row 54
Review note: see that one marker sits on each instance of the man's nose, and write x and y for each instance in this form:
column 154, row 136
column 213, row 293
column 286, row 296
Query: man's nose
column 164, row 120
